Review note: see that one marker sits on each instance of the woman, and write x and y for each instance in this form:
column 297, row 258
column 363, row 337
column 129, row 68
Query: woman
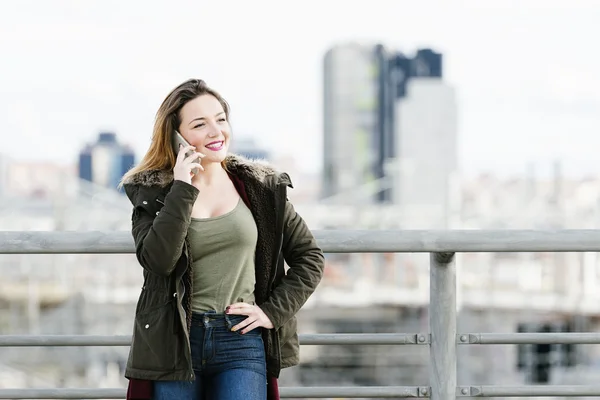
column 216, row 315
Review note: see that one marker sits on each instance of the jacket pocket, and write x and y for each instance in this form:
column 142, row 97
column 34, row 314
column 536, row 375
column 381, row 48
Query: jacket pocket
column 289, row 349
column 287, row 331
column 155, row 344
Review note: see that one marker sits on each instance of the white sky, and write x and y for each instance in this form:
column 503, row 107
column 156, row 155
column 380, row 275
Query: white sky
column 526, row 71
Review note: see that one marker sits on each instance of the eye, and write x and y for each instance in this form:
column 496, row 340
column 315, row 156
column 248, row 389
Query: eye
column 199, row 125
column 222, row 119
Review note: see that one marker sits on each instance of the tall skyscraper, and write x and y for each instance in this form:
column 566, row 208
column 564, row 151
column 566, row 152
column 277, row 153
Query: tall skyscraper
column 105, row 161
column 351, row 147
column 362, row 85
column 400, row 71
column 426, row 153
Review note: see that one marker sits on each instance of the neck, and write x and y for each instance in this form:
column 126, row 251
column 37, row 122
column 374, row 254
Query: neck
column 213, row 172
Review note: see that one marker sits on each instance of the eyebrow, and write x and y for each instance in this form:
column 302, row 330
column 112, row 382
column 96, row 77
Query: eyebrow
column 201, row 118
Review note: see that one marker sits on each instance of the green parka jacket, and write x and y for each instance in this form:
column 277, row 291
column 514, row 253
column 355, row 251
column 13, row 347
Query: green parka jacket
column 161, row 215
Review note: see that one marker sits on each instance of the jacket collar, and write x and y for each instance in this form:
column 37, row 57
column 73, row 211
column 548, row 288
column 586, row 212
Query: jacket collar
column 247, row 170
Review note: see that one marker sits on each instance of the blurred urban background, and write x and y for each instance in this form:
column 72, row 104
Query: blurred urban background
column 387, row 115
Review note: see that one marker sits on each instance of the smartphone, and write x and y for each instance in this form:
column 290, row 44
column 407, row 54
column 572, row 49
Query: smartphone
column 179, row 140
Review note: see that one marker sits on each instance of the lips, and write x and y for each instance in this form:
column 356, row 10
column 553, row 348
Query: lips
column 215, row 146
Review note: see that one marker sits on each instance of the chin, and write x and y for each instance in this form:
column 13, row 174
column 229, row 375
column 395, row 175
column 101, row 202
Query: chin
column 215, row 158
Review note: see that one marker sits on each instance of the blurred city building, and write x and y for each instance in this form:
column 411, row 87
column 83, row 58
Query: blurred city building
column 423, row 172
column 351, row 144
column 105, row 161
column 387, row 119
column 30, row 178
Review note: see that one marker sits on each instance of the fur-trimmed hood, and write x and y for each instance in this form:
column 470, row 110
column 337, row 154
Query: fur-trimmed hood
column 258, row 170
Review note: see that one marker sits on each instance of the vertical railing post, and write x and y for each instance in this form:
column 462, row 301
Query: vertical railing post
column 442, row 321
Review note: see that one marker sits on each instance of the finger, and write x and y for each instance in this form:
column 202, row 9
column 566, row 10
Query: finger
column 238, row 305
column 183, row 151
column 196, row 165
column 240, row 311
column 250, row 327
column 243, row 324
column 194, row 156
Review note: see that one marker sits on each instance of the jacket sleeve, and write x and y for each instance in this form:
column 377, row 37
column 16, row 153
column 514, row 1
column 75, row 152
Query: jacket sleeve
column 306, row 264
column 159, row 236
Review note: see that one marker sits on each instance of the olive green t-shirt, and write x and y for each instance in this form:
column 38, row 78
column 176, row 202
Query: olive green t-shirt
column 222, row 250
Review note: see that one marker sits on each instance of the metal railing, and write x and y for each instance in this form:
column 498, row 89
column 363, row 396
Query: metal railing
column 442, row 340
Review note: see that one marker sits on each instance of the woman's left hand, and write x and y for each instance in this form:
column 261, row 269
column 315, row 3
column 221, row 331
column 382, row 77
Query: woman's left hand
column 256, row 317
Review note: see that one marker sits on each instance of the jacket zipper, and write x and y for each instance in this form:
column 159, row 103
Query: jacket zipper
column 279, row 224
column 180, row 308
column 280, row 217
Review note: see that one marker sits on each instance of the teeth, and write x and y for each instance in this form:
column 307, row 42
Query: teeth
column 215, row 145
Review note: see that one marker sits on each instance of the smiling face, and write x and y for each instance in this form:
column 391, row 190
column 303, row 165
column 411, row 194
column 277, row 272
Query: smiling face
column 204, row 125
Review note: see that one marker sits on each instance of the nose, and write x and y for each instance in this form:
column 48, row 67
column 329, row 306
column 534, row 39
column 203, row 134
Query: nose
column 214, row 129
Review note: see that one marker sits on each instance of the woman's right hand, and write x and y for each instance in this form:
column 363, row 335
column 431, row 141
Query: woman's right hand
column 184, row 165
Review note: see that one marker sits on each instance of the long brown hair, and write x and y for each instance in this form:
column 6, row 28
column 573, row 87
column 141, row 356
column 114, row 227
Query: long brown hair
column 160, row 155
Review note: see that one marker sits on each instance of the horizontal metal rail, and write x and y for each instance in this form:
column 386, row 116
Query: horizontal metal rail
column 529, row 338
column 125, row 340
column 334, row 391
column 530, row 391
column 321, row 339
column 291, row 392
column 357, row 241
column 62, row 393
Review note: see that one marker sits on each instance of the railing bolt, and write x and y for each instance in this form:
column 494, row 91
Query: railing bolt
column 423, row 391
column 463, row 338
column 465, row 391
column 422, row 339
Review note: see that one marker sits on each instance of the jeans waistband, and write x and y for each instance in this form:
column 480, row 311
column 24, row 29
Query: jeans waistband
column 212, row 319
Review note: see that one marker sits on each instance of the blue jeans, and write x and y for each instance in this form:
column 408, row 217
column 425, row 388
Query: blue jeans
column 228, row 365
